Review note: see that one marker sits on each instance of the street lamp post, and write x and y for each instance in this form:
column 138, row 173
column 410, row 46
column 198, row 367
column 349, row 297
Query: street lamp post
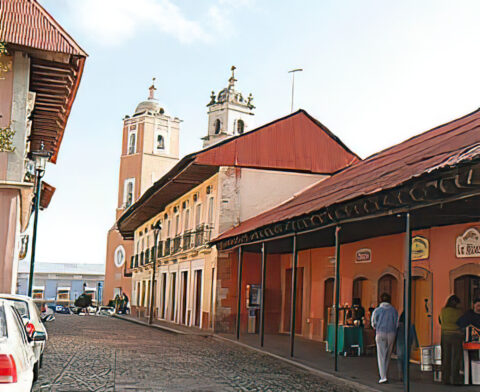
column 156, row 231
column 41, row 158
column 293, row 83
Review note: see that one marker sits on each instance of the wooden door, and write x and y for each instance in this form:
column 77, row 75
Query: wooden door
column 388, row 284
column 288, row 301
column 198, row 296
column 173, row 295
column 467, row 288
column 328, row 300
column 184, row 297
column 421, row 313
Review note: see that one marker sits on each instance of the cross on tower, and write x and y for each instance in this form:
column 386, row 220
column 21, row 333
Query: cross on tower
column 152, row 89
column 232, row 79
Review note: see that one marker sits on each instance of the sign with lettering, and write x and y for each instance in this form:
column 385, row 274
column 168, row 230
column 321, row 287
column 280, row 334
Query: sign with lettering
column 420, row 248
column 363, row 255
column 468, row 244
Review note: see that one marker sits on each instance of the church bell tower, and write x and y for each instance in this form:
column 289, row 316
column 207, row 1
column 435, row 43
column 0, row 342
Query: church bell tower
column 229, row 113
column 150, row 148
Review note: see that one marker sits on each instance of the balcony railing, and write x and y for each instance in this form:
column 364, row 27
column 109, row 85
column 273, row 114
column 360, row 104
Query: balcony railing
column 167, row 247
column 202, row 234
column 187, row 240
column 177, row 242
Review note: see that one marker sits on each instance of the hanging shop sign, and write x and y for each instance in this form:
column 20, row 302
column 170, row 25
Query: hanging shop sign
column 468, row 244
column 363, row 255
column 420, row 248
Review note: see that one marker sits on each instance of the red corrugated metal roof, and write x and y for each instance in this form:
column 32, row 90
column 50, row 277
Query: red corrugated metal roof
column 296, row 142
column 446, row 145
column 26, row 23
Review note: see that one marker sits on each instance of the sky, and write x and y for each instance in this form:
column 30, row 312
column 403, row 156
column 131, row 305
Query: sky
column 374, row 72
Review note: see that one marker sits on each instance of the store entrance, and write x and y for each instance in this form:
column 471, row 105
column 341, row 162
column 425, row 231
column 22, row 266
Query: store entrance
column 328, row 298
column 422, row 311
column 467, row 288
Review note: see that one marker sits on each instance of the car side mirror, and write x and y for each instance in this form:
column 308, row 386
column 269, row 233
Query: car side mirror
column 39, row 336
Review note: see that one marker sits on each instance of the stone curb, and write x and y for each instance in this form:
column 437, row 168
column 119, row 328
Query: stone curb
column 161, row 327
column 325, row 375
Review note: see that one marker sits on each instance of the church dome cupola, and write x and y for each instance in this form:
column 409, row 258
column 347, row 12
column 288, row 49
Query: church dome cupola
column 228, row 112
column 151, row 105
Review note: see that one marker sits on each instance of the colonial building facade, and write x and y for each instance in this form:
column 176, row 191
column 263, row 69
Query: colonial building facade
column 211, row 191
column 408, row 215
column 149, row 150
column 40, row 70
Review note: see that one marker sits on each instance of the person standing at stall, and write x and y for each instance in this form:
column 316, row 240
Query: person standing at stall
column 451, row 342
column 384, row 321
column 471, row 317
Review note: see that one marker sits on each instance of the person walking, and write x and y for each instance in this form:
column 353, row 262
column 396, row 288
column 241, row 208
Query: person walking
column 401, row 343
column 125, row 303
column 451, row 342
column 384, row 321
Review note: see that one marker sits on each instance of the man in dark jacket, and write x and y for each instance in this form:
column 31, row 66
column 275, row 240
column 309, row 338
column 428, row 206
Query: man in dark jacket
column 472, row 316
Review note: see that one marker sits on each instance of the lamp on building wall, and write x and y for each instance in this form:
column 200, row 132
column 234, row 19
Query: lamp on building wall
column 40, row 157
column 156, row 231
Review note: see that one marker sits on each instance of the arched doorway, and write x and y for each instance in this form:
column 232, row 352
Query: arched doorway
column 467, row 288
column 362, row 288
column 388, row 284
column 328, row 299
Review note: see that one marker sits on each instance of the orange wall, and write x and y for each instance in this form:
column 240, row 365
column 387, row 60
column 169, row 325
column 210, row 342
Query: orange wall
column 114, row 275
column 387, row 258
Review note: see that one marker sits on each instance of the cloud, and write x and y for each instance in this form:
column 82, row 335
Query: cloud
column 112, row 22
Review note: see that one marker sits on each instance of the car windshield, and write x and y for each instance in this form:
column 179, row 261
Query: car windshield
column 21, row 306
column 3, row 322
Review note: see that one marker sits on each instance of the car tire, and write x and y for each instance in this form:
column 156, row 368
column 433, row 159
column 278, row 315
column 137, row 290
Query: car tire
column 36, row 371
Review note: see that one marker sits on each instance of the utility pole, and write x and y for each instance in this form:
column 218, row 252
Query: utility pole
column 293, row 71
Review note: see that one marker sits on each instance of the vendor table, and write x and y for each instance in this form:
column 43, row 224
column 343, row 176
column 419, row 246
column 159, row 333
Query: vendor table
column 472, row 346
column 348, row 336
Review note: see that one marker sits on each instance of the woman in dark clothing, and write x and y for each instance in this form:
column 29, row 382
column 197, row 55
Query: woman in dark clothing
column 401, row 343
column 452, row 339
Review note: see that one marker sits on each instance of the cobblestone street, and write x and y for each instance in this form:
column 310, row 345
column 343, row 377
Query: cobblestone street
column 105, row 354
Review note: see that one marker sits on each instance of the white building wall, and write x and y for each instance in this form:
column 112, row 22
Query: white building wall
column 261, row 190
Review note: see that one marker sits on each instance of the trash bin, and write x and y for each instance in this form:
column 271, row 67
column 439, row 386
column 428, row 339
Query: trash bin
column 475, row 372
column 252, row 321
column 426, row 359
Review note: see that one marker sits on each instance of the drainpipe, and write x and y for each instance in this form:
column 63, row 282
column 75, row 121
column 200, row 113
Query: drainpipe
column 239, row 290
column 294, row 294
column 337, row 292
column 407, row 301
column 262, row 294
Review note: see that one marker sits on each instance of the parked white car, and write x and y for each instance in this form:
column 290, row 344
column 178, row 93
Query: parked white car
column 17, row 358
column 33, row 323
column 105, row 311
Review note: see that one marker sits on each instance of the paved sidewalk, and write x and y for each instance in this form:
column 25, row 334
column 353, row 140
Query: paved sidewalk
column 165, row 325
